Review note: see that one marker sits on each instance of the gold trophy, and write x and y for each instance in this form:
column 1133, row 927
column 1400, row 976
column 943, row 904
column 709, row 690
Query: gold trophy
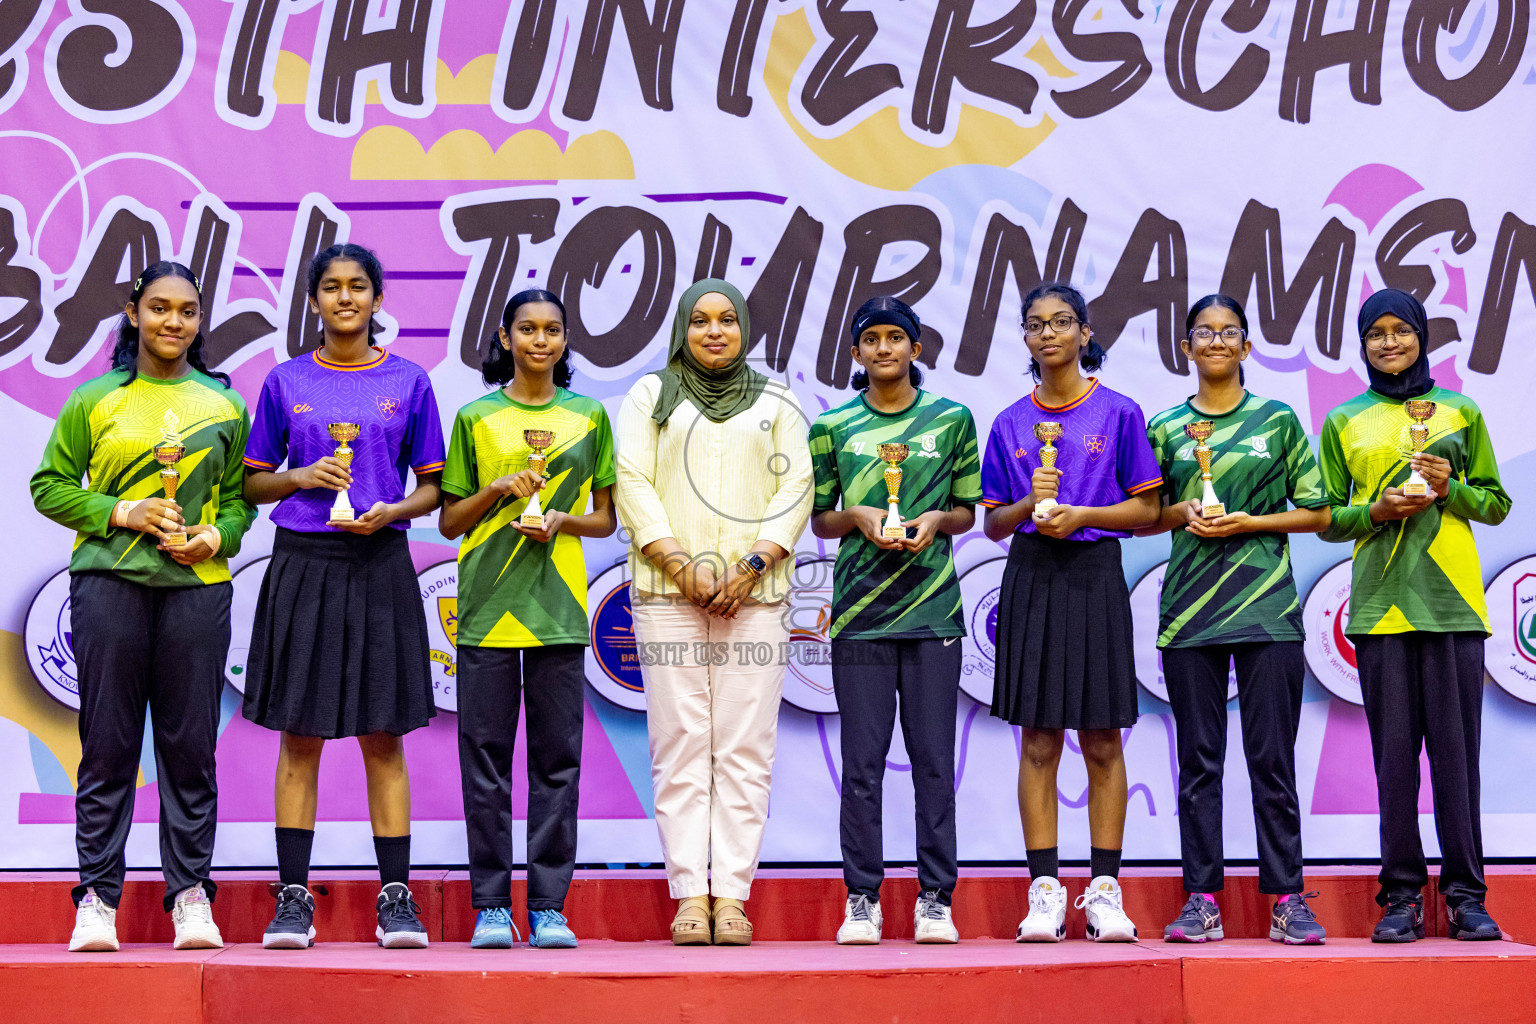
column 1047, row 433
column 1419, row 411
column 1199, row 432
column 893, row 455
column 169, row 452
column 342, row 433
column 538, row 440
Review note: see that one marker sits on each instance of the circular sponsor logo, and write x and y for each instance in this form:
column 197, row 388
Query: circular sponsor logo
column 50, row 642
column 1511, row 650
column 1324, row 617
column 808, row 673
column 1146, row 604
column 613, row 660
column 980, row 592
column 439, row 585
column 242, row 619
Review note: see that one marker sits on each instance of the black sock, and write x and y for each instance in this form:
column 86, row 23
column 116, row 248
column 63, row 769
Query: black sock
column 1103, row 862
column 394, row 853
column 293, row 848
column 1043, row 862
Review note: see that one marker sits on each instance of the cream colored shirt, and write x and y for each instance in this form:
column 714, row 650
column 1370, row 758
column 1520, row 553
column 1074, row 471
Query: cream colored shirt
column 715, row 487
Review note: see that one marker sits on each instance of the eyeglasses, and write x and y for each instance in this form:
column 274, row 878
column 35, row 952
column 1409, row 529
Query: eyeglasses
column 1203, row 335
column 1059, row 325
column 1376, row 336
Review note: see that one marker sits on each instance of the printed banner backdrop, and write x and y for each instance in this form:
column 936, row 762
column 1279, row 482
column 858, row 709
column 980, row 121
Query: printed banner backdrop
column 953, row 152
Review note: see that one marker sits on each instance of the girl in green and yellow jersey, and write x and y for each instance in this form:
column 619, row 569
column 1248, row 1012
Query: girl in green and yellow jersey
column 150, row 618
column 522, row 609
column 1417, row 615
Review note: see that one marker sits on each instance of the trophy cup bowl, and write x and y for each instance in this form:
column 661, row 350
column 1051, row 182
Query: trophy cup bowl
column 538, row 440
column 1199, row 432
column 893, row 455
column 1419, row 411
column 1047, row 432
column 342, row 434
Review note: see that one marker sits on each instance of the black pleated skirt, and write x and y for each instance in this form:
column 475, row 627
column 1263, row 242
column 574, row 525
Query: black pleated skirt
column 340, row 643
column 1064, row 655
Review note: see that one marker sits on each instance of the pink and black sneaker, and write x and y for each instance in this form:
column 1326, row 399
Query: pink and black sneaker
column 1293, row 922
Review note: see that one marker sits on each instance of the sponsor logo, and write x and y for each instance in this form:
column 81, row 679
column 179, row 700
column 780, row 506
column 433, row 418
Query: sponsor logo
column 246, row 583
column 1018, row 453
column 50, row 641
column 303, row 407
column 388, row 406
column 808, row 674
column 1330, row 653
column 980, row 593
column 439, row 586
column 1095, row 445
column 613, row 659
column 1146, row 603
column 1510, row 654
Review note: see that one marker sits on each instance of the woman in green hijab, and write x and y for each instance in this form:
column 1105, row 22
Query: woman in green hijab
column 714, row 486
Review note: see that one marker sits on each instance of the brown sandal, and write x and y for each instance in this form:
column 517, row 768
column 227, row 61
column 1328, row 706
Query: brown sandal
column 731, row 925
column 690, row 927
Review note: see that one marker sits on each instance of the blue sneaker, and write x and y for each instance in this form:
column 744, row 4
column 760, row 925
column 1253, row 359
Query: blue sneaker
column 493, row 929
column 547, row 930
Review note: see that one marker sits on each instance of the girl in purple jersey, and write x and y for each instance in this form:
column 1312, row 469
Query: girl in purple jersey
column 1064, row 625
column 339, row 646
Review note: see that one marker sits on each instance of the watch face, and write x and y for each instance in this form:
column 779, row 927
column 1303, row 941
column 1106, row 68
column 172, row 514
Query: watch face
column 757, row 562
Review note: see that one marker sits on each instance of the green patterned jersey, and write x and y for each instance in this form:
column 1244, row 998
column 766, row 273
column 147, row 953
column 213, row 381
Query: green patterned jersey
column 1234, row 589
column 106, row 434
column 516, row 592
column 1419, row 573
column 879, row 594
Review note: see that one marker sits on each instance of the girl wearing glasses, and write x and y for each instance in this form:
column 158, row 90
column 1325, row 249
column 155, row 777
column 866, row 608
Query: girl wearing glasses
column 1227, row 597
column 1064, row 623
column 1417, row 615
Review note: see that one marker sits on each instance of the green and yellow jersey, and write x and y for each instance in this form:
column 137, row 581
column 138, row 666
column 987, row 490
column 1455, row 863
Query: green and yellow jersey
column 515, row 592
column 1419, row 573
column 106, row 434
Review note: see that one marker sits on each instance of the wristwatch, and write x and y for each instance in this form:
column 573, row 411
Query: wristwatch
column 753, row 564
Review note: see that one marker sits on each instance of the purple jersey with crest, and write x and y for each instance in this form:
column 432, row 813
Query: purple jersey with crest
column 390, row 398
column 1103, row 454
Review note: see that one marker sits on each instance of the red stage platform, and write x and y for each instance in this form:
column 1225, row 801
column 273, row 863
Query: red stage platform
column 793, row 973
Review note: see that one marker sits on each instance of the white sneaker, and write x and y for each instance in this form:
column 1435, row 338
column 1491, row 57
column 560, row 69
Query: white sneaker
column 192, row 913
column 932, row 920
column 95, row 926
column 1106, row 912
column 1047, row 920
column 861, row 922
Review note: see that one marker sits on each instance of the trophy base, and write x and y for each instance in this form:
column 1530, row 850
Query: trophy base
column 1415, row 488
column 175, row 540
column 894, row 532
column 342, row 515
column 532, row 522
column 1215, row 511
column 1043, row 507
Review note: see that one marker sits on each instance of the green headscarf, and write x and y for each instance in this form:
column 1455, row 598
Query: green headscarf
column 719, row 394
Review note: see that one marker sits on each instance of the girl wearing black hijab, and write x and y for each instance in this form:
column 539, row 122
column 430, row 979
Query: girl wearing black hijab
column 1417, row 615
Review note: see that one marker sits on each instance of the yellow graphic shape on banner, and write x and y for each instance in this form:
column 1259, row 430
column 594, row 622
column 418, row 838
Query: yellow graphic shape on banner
column 876, row 151
column 390, row 153
column 25, row 703
column 471, row 86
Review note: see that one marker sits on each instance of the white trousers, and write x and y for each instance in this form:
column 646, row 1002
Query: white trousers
column 712, row 711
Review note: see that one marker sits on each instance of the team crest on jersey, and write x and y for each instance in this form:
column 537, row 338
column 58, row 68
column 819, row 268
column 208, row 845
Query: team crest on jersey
column 1095, row 444
column 1260, row 447
column 388, row 406
column 928, row 442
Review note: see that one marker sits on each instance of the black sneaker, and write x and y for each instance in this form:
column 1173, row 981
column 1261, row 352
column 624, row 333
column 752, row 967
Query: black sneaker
column 1403, row 919
column 293, row 926
column 399, row 927
column 1293, row 923
column 1471, row 920
column 1199, row 921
